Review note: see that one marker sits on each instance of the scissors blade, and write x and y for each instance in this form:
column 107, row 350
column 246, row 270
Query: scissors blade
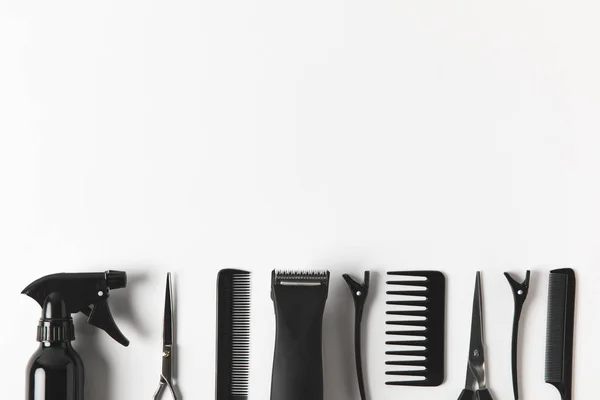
column 168, row 317
column 476, row 348
column 477, row 321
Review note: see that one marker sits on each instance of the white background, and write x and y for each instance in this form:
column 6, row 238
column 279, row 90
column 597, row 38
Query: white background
column 190, row 136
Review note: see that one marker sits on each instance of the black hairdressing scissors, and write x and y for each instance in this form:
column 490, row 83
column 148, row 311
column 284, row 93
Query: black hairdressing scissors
column 476, row 385
column 166, row 376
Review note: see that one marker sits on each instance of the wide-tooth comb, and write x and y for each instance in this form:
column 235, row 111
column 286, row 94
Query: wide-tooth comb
column 559, row 331
column 233, row 334
column 424, row 324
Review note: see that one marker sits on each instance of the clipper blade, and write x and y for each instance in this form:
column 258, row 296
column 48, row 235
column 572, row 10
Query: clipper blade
column 300, row 278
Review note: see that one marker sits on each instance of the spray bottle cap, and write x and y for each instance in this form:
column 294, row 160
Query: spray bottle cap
column 61, row 295
column 56, row 324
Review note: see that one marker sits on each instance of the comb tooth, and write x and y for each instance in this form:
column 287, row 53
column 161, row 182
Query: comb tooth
column 406, row 343
column 422, row 293
column 417, row 303
column 408, row 363
column 424, row 382
column 411, row 313
column 408, row 283
column 407, row 333
column 422, row 323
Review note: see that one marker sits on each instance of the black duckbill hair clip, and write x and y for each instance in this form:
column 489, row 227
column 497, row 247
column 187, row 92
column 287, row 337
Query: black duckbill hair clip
column 359, row 294
column 520, row 291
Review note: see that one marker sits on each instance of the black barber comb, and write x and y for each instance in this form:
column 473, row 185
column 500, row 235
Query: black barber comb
column 233, row 334
column 417, row 301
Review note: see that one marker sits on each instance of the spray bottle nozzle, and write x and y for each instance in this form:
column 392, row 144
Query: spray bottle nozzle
column 83, row 292
column 116, row 279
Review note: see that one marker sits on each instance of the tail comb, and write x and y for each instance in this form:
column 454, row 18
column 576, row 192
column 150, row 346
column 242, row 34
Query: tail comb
column 559, row 331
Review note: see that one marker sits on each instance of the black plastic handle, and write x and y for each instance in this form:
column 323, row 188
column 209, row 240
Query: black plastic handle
column 484, row 394
column 101, row 317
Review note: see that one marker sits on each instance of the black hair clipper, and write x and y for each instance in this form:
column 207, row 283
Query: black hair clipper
column 299, row 299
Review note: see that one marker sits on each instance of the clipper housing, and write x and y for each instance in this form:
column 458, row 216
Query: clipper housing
column 299, row 299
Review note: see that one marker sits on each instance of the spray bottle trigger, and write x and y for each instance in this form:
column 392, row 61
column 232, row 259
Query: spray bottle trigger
column 99, row 315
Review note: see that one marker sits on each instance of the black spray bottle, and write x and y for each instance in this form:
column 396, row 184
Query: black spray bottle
column 55, row 371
